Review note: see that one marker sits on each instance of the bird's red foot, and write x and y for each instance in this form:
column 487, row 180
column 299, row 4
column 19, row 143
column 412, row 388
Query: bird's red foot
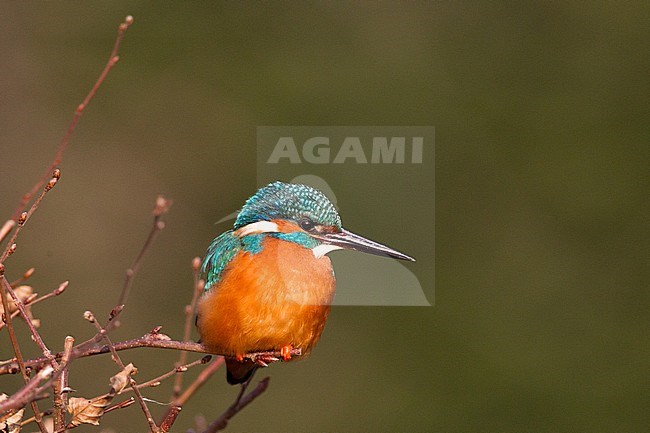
column 285, row 352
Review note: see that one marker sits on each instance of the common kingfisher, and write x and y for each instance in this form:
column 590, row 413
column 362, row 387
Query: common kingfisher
column 268, row 281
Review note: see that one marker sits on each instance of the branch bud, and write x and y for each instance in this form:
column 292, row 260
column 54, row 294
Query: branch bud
column 89, row 316
column 28, row 273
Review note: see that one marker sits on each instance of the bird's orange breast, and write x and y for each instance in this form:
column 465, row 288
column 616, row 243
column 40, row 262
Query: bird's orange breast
column 277, row 297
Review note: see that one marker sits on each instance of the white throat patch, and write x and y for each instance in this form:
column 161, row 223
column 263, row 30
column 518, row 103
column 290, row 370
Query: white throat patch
column 323, row 249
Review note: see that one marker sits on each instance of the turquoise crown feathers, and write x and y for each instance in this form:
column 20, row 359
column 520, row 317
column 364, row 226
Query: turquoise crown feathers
column 280, row 200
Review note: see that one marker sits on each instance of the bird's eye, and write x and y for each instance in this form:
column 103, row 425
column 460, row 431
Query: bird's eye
column 306, row 224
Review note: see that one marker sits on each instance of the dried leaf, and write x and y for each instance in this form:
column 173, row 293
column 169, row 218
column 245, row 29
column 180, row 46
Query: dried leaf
column 11, row 421
column 121, row 379
column 86, row 411
column 26, row 295
column 23, row 293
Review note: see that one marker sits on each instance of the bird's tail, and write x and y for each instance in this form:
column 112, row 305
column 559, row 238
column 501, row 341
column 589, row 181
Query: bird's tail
column 239, row 371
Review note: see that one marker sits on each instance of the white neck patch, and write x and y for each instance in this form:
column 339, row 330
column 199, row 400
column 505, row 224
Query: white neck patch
column 323, row 249
column 258, row 227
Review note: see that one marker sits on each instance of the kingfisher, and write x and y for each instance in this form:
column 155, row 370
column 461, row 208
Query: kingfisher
column 268, row 281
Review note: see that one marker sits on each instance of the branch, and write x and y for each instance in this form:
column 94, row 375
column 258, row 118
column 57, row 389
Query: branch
column 153, row 428
column 112, row 60
column 17, row 352
column 35, row 335
column 154, row 339
column 240, row 403
column 28, row 393
column 24, row 216
column 28, row 273
column 161, row 208
column 177, row 404
column 61, row 384
column 35, row 300
column 199, row 285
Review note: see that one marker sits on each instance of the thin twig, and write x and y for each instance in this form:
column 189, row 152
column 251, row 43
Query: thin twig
column 162, row 206
column 35, row 335
column 28, row 273
column 24, row 216
column 180, row 369
column 46, row 412
column 126, row 403
column 61, row 385
column 29, row 301
column 27, row 393
column 121, row 405
column 177, row 404
column 240, row 403
column 156, row 380
column 17, row 352
column 6, row 228
column 153, row 428
column 199, row 284
column 112, row 60
column 16, row 401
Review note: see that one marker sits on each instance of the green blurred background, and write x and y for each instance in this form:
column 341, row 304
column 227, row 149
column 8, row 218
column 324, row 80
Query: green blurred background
column 541, row 112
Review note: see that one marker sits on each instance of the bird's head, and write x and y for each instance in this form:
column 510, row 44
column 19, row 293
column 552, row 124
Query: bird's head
column 303, row 215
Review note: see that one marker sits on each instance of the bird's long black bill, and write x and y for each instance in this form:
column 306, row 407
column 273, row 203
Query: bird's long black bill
column 351, row 241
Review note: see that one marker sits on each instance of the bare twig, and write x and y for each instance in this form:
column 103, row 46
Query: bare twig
column 35, row 335
column 121, row 405
column 7, row 227
column 240, row 403
column 126, row 403
column 32, row 301
column 170, row 419
column 24, row 216
column 61, row 385
column 179, row 369
column 28, row 393
column 16, row 347
column 113, row 59
column 20, row 398
column 28, row 273
column 153, row 428
column 162, row 206
column 199, row 284
column 177, row 404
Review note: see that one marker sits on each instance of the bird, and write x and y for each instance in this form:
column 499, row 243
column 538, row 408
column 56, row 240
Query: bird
column 269, row 283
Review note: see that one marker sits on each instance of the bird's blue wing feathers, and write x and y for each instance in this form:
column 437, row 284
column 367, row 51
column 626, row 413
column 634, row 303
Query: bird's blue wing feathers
column 221, row 251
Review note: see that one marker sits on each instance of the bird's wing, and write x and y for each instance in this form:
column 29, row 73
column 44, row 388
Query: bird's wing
column 221, row 251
